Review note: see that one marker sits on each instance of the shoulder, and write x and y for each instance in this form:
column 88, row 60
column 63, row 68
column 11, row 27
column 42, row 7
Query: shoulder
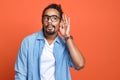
column 30, row 38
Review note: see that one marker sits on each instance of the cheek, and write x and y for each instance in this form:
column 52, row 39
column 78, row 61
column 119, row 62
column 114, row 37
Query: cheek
column 57, row 24
column 57, row 27
column 45, row 23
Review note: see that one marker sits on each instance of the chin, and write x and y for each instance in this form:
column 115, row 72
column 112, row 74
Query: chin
column 50, row 32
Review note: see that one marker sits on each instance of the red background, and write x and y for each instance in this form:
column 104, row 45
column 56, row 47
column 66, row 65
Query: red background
column 95, row 25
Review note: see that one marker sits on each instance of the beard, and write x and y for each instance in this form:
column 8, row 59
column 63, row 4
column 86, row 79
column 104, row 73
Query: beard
column 49, row 29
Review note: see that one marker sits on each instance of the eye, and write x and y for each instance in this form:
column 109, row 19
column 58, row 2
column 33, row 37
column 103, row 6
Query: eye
column 45, row 17
column 54, row 18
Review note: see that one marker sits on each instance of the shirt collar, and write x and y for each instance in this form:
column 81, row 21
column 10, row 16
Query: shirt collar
column 42, row 37
column 59, row 40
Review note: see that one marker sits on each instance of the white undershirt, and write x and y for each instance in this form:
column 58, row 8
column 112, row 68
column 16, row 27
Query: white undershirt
column 47, row 68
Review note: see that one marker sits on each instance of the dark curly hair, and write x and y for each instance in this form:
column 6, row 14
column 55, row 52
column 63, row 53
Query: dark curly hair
column 54, row 6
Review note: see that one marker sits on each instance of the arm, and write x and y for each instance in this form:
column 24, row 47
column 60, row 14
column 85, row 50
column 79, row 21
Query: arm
column 75, row 54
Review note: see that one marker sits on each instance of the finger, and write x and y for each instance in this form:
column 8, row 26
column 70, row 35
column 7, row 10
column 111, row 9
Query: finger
column 68, row 26
column 66, row 19
column 69, row 23
column 63, row 17
column 69, row 20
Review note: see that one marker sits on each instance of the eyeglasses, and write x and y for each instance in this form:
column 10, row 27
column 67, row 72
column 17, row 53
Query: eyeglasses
column 53, row 18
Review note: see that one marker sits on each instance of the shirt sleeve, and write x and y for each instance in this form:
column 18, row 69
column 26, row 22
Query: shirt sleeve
column 21, row 63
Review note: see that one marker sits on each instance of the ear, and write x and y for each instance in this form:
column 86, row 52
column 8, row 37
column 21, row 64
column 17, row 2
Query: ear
column 61, row 23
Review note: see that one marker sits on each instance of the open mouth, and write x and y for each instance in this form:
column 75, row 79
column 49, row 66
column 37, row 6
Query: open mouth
column 50, row 28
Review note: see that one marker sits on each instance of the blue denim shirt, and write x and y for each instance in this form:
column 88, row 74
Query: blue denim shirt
column 27, row 65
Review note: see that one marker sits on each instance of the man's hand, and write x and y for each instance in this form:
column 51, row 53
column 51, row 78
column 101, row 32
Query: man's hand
column 65, row 26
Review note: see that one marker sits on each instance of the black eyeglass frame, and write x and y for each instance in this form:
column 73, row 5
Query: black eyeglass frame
column 53, row 18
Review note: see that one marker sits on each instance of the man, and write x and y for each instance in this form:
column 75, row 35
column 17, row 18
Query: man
column 48, row 54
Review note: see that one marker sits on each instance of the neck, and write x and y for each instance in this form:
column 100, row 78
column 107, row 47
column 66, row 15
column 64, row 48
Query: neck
column 50, row 38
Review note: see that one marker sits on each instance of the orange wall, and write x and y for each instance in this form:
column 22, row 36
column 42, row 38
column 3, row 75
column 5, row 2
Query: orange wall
column 95, row 25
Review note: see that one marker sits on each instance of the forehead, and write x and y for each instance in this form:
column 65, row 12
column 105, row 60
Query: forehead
column 51, row 11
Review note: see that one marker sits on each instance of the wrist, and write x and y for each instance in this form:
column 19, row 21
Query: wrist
column 68, row 37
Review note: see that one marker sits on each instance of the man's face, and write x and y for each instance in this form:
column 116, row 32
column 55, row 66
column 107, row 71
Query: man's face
column 51, row 21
